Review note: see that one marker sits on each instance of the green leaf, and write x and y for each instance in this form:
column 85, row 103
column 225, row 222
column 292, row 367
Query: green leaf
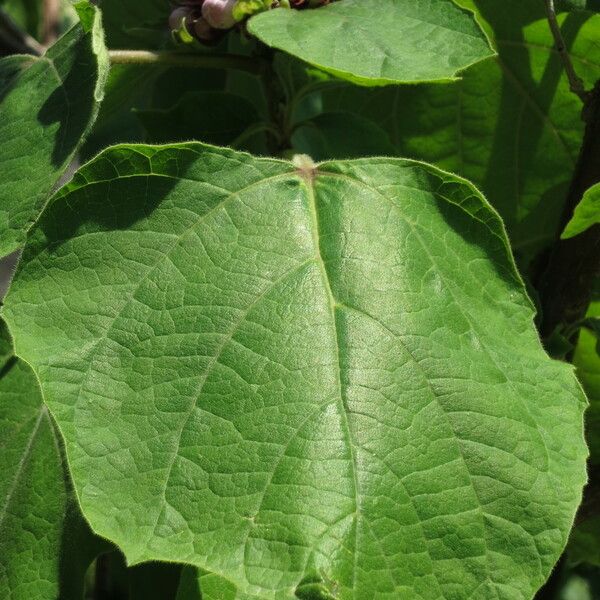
column 342, row 135
column 295, row 377
column 198, row 584
column 214, row 117
column 378, row 42
column 583, row 545
column 587, row 361
column 587, row 213
column 48, row 104
column 130, row 23
column 154, row 581
column 45, row 546
column 512, row 126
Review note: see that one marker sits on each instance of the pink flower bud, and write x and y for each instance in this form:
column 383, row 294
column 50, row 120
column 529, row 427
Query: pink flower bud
column 219, row 13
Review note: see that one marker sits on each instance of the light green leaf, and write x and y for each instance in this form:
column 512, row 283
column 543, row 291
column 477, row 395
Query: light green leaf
column 587, row 213
column 378, row 42
column 512, row 126
column 45, row 546
column 48, row 105
column 295, row 377
column 213, row 117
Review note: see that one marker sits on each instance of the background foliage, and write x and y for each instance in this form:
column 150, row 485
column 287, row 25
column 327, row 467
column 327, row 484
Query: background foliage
column 299, row 381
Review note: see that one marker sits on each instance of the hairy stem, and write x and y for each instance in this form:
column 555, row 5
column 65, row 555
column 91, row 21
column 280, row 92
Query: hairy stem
column 51, row 21
column 194, row 61
column 575, row 82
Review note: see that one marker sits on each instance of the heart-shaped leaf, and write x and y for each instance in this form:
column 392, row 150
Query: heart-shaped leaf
column 378, row 42
column 302, row 379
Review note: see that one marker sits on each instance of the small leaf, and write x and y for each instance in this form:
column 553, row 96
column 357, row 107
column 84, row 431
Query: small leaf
column 270, row 371
column 48, row 105
column 378, row 42
column 587, row 213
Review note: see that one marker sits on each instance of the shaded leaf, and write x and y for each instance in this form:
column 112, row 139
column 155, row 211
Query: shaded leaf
column 511, row 125
column 342, row 135
column 377, row 42
column 48, row 105
column 45, row 546
column 587, row 362
column 214, row 117
column 300, row 378
column 135, row 24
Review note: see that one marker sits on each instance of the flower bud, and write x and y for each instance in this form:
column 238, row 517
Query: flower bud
column 219, row 13
column 177, row 17
column 203, row 31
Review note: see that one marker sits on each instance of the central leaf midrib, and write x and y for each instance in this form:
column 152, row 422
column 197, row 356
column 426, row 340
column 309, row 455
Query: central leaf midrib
column 333, row 304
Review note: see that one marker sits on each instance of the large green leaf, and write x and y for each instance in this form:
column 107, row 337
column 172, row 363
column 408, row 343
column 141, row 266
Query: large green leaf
column 298, row 378
column 587, row 213
column 511, row 125
column 378, row 42
column 48, row 104
column 45, row 546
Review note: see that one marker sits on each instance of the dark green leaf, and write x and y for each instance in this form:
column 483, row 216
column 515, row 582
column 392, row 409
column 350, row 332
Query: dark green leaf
column 342, row 135
column 214, row 117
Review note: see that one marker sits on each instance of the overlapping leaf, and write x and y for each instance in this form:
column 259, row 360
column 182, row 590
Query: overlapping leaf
column 47, row 105
column 45, row 546
column 377, row 42
column 301, row 380
column 511, row 125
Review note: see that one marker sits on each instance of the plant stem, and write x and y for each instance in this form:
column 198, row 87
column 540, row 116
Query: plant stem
column 51, row 21
column 12, row 39
column 566, row 284
column 575, row 82
column 194, row 61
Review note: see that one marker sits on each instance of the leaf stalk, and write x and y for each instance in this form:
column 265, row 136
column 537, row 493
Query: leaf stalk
column 194, row 61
